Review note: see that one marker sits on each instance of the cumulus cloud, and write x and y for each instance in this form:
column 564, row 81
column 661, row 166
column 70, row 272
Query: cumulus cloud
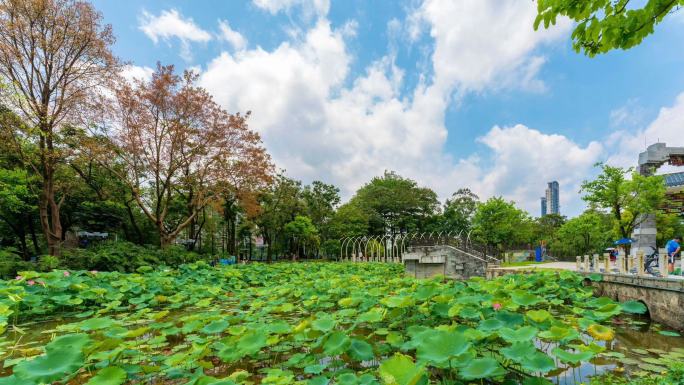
column 234, row 38
column 320, row 125
column 132, row 72
column 171, row 24
column 309, row 7
column 667, row 127
column 485, row 44
column 524, row 159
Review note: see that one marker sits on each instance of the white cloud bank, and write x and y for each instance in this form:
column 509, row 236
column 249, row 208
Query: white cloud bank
column 171, row 24
column 318, row 123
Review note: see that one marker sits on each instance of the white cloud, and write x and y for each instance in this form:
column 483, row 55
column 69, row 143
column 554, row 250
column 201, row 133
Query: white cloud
column 629, row 115
column 525, row 159
column 132, row 72
column 318, row 123
column 170, row 24
column 668, row 127
column 485, row 44
column 234, row 38
column 309, row 7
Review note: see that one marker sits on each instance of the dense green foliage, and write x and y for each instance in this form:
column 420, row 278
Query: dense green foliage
column 626, row 199
column 301, row 323
column 604, row 25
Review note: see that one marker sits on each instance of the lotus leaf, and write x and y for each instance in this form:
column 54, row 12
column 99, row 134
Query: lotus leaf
column 215, row 327
column 601, row 332
column 559, row 333
column 319, row 380
column 669, row 333
column 482, row 368
column 634, row 307
column 50, row 367
column 96, row 324
column 111, row 375
column 525, row 299
column 325, row 324
column 572, row 358
column 525, row 333
column 336, row 343
column 401, row 370
column 537, row 362
column 519, row 350
column 361, row 350
column 538, row 315
column 398, row 302
column 490, row 325
column 438, row 346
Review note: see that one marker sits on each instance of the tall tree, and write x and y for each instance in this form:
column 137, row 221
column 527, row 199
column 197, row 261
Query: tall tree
column 321, row 200
column 280, row 203
column 459, row 211
column 590, row 232
column 627, row 200
column 395, row 204
column 500, row 224
column 55, row 56
column 604, row 25
column 179, row 147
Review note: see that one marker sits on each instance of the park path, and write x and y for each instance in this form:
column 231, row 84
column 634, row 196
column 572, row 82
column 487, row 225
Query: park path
column 572, row 266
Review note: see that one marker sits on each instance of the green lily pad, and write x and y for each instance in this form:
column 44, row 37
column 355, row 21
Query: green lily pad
column 538, row 315
column 361, row 350
column 401, row 370
column 437, row 346
column 482, row 368
column 215, row 327
column 537, row 362
column 336, row 343
column 669, row 333
column 525, row 333
column 572, row 358
column 633, row 307
column 111, row 375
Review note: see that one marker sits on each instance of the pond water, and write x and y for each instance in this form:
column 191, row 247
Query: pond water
column 637, row 349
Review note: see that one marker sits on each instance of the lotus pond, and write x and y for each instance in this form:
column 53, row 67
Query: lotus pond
column 318, row 323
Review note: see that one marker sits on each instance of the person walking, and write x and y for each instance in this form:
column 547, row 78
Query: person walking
column 673, row 247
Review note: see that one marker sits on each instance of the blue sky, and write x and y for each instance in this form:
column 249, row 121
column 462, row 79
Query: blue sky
column 452, row 94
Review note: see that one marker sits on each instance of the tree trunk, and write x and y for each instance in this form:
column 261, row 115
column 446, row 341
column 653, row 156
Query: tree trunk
column 34, row 237
column 134, row 224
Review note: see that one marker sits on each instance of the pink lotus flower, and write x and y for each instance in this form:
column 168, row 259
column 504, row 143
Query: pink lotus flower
column 19, row 277
column 496, row 306
column 42, row 283
column 66, row 274
column 31, row 282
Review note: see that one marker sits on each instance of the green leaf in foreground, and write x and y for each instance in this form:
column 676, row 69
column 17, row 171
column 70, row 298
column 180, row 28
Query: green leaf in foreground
column 111, row 375
column 438, row 346
column 482, row 368
column 669, row 333
column 361, row 350
column 50, row 367
column 633, row 307
column 572, row 358
column 401, row 370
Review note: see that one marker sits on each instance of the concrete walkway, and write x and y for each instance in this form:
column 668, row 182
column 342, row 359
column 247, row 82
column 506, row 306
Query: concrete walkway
column 572, row 266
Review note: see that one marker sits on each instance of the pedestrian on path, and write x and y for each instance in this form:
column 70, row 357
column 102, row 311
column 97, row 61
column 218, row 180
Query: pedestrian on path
column 673, row 247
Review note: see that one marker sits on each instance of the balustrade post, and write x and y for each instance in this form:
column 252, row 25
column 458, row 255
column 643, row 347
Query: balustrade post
column 578, row 263
column 662, row 265
column 595, row 262
column 606, row 263
column 586, row 263
column 640, row 261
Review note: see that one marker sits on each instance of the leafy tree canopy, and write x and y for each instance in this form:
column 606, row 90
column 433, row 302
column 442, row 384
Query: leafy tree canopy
column 626, row 199
column 604, row 25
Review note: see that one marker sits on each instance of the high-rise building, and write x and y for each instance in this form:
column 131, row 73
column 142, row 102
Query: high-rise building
column 552, row 200
column 543, row 206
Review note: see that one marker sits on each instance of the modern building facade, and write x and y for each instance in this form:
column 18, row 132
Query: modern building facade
column 543, row 206
column 552, row 198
